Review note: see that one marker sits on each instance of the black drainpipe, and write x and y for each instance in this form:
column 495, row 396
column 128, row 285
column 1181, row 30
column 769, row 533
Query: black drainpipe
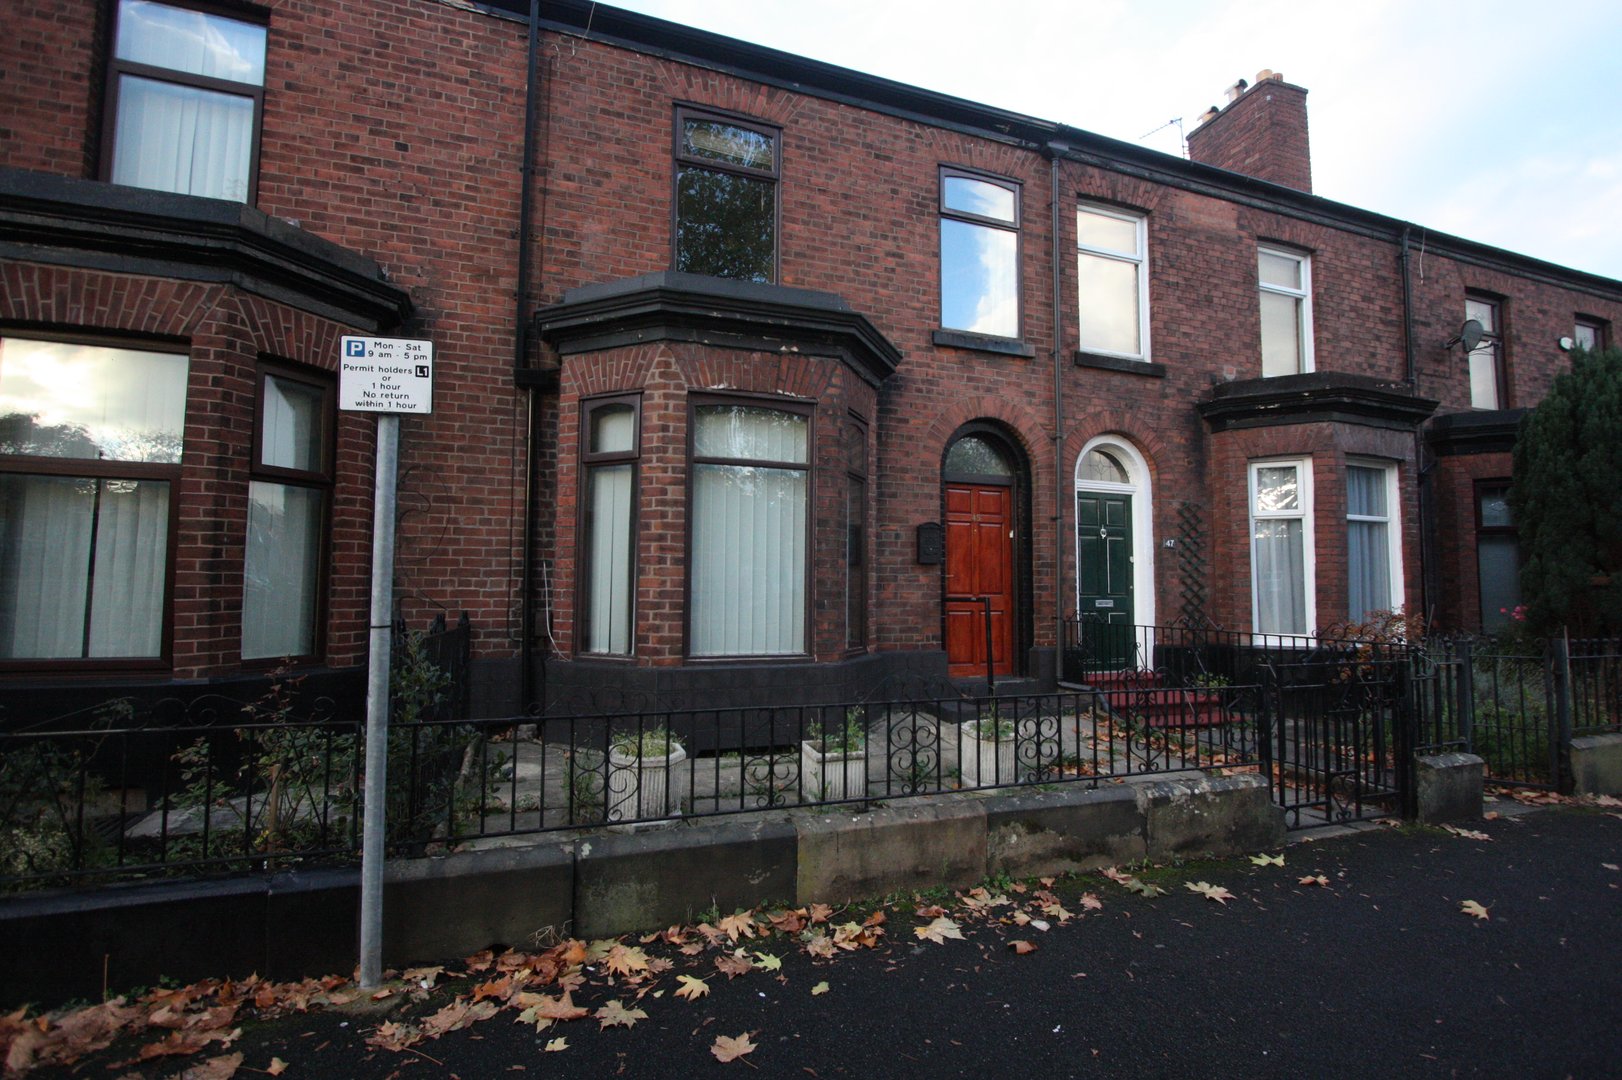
column 522, row 376
column 1422, row 474
column 1055, row 153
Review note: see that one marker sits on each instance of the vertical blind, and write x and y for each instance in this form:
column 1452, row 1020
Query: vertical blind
column 749, row 533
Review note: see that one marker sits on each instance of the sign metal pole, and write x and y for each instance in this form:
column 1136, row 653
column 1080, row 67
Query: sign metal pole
column 373, row 821
column 386, row 376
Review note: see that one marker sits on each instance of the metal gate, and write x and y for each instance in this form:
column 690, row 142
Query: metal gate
column 1337, row 735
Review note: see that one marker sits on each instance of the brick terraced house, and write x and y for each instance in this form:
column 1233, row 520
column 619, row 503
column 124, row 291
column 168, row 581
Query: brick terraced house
column 756, row 378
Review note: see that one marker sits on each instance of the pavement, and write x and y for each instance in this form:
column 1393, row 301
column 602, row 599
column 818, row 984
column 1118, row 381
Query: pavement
column 1376, row 973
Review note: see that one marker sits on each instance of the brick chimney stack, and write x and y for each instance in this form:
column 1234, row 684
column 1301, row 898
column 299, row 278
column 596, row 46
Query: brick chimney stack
column 1261, row 132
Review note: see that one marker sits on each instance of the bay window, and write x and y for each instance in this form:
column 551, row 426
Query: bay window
column 1281, row 553
column 750, row 494
column 1373, row 541
column 90, row 445
column 288, row 495
column 610, row 439
column 185, row 95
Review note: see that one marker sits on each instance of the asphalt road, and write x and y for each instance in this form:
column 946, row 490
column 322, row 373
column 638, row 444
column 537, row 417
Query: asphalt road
column 1377, row 974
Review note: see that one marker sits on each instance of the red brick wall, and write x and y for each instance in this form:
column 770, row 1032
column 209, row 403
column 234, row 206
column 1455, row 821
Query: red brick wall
column 1262, row 134
column 395, row 129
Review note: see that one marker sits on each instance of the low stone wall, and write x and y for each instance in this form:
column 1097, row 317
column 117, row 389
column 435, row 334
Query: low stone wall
column 1596, row 765
column 299, row 923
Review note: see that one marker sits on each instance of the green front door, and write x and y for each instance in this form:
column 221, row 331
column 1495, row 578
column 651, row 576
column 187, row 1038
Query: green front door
column 1104, row 569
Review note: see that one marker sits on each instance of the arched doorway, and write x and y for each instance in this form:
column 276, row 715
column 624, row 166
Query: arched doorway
column 983, row 482
column 1114, row 550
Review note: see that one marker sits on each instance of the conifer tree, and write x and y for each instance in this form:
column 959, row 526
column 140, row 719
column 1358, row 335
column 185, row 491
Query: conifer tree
column 1566, row 499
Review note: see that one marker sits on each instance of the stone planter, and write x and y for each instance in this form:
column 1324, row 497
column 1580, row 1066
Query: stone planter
column 985, row 762
column 832, row 776
column 646, row 787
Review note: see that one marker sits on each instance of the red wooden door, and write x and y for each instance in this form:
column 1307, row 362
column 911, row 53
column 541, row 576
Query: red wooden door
column 979, row 562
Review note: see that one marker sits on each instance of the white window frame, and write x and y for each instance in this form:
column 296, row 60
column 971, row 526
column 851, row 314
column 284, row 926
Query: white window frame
column 1309, row 562
column 1393, row 523
column 1489, row 352
column 1138, row 258
column 1303, row 305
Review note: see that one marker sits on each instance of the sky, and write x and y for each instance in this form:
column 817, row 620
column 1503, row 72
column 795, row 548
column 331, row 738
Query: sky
column 1498, row 122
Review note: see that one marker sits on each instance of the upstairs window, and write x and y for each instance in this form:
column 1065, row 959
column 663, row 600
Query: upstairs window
column 1285, row 279
column 1487, row 384
column 288, row 506
column 726, row 196
column 187, row 88
column 1112, row 270
column 90, row 441
column 1589, row 333
column 979, row 254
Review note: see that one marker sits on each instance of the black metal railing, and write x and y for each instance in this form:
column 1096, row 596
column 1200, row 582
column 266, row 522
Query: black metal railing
column 217, row 786
column 257, row 795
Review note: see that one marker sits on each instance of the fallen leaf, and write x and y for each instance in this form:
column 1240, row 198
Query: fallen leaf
column 767, row 962
column 1021, row 947
column 691, row 988
column 1314, row 879
column 1610, row 865
column 821, row 913
column 939, row 930
column 1143, row 888
column 1209, row 891
column 731, row 965
column 728, row 1049
column 554, row 1045
column 1091, row 902
column 790, row 922
column 625, row 959
column 1470, row 907
column 740, row 925
column 614, row 1014
column 820, row 945
column 277, row 1066
column 819, row 989
column 1468, row 834
column 1267, row 860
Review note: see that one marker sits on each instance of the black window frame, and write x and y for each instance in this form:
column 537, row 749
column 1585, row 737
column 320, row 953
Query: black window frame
column 1480, row 489
column 101, row 470
column 118, row 68
column 1600, row 327
column 681, row 160
column 323, row 480
column 858, row 528
column 590, row 460
column 1016, row 226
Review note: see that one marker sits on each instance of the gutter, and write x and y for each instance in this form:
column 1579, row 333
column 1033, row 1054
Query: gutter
column 1055, row 154
column 521, row 375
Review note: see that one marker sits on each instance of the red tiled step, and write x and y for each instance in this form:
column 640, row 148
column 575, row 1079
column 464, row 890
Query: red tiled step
column 1170, row 708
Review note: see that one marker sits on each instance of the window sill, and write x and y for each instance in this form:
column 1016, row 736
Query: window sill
column 1120, row 363
column 962, row 339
